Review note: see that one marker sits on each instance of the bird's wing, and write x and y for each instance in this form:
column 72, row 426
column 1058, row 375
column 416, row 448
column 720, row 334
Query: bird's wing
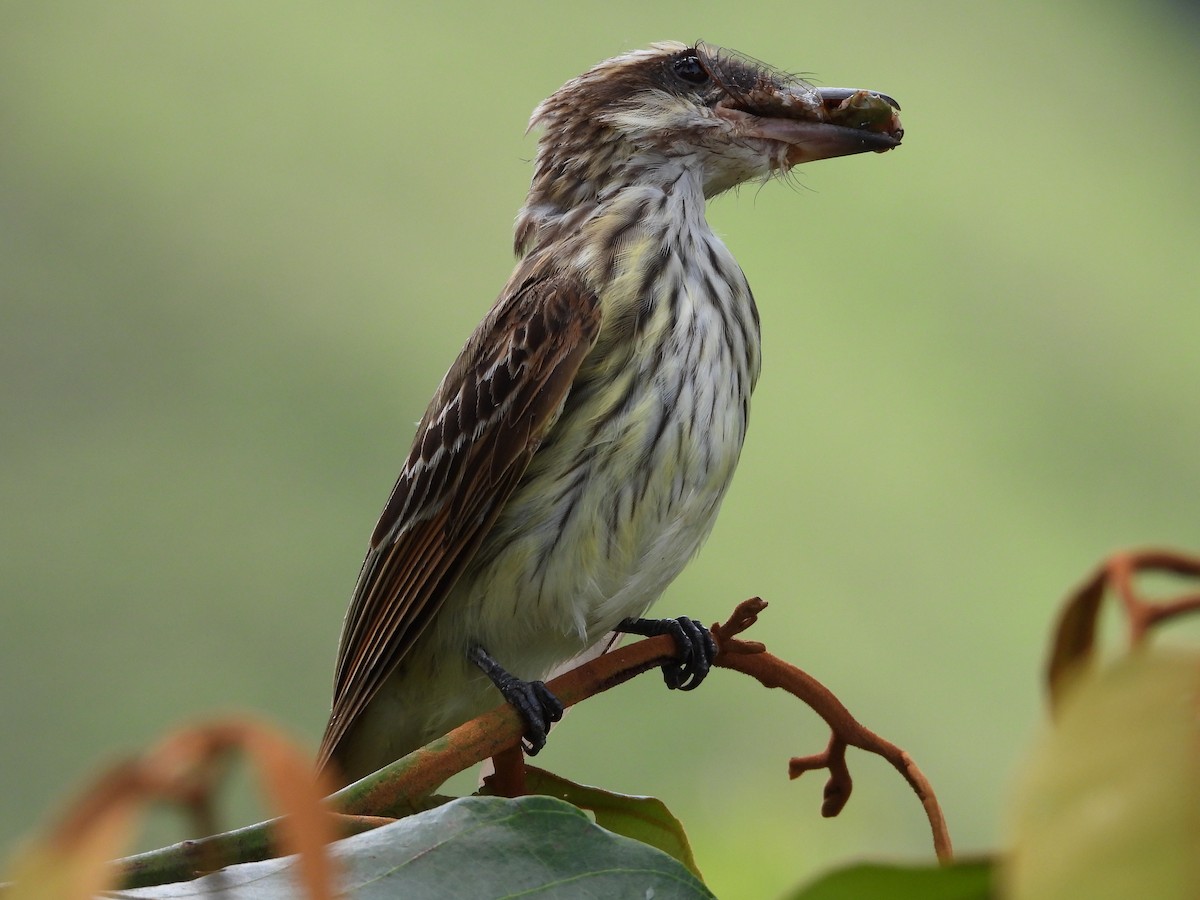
column 481, row 429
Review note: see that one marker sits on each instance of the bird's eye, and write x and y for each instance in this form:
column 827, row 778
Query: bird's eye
column 690, row 69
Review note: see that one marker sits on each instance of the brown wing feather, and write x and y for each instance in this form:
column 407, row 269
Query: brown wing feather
column 474, row 443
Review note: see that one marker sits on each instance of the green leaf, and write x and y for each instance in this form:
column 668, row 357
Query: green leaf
column 961, row 881
column 644, row 819
column 1110, row 806
column 476, row 847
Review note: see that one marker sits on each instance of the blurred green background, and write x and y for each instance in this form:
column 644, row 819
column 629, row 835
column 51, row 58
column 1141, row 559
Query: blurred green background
column 242, row 242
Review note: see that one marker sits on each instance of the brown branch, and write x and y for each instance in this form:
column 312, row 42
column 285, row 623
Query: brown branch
column 1073, row 646
column 398, row 788
column 770, row 671
column 407, row 785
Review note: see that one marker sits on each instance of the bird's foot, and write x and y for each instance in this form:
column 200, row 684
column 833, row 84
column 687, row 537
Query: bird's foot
column 697, row 649
column 532, row 700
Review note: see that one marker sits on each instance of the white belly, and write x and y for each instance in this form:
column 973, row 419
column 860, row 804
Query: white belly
column 619, row 498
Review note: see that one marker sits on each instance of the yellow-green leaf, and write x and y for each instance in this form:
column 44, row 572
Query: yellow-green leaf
column 644, row 819
column 1110, row 806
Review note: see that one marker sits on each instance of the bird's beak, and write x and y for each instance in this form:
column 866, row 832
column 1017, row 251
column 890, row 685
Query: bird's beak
column 822, row 123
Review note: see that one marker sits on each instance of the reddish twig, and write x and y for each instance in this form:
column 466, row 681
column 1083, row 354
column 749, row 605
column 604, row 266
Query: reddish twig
column 751, row 659
column 1073, row 647
column 1144, row 614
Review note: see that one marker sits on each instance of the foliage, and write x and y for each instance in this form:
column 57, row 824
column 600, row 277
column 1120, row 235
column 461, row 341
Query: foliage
column 473, row 848
column 1107, row 807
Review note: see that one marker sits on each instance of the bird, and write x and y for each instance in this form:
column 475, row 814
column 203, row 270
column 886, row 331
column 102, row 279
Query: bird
column 573, row 459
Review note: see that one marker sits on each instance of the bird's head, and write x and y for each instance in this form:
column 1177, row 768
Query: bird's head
column 699, row 109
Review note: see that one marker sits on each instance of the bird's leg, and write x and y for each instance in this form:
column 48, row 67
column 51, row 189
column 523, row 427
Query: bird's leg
column 697, row 649
column 536, row 705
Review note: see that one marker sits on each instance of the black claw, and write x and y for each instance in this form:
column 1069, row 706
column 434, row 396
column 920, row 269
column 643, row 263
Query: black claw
column 532, row 700
column 546, row 708
column 697, row 649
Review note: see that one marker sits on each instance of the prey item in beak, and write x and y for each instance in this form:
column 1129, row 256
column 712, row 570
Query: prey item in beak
column 842, row 122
